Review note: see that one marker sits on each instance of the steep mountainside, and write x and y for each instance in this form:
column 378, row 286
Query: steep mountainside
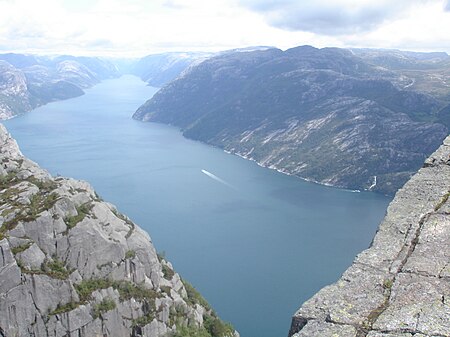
column 72, row 265
column 159, row 69
column 400, row 286
column 322, row 114
column 28, row 81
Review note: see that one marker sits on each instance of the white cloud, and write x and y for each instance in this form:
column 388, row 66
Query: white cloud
column 139, row 27
column 337, row 17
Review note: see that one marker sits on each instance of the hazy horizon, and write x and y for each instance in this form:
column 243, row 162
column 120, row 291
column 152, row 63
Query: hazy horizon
column 136, row 57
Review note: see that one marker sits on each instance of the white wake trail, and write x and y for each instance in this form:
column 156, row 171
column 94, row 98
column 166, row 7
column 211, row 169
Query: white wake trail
column 216, row 178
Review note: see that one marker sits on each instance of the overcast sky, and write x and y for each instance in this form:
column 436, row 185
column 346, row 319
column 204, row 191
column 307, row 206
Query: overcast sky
column 141, row 27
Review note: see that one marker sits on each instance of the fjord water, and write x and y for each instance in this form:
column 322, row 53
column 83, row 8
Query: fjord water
column 254, row 242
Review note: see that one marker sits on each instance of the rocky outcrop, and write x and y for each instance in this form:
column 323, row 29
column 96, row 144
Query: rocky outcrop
column 72, row 265
column 400, row 286
column 324, row 115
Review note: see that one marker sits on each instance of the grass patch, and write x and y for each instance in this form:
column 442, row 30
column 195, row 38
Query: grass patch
column 38, row 204
column 8, row 180
column 82, row 211
column 442, row 202
column 166, row 289
column 131, row 254
column 143, row 320
column 213, row 325
column 216, row 327
column 60, row 309
column 43, row 185
column 56, row 269
column 127, row 221
column 53, row 269
column 191, row 331
column 161, row 256
column 21, row 248
column 167, row 272
column 97, row 197
column 194, row 297
column 105, row 305
column 126, row 289
column 387, row 284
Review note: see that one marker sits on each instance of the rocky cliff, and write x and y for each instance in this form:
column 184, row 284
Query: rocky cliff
column 326, row 115
column 400, row 286
column 72, row 265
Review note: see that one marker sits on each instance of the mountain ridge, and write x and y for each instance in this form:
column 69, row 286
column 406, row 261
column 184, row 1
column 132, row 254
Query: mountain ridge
column 38, row 80
column 325, row 115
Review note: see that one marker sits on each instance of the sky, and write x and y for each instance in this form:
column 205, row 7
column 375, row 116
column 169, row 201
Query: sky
column 134, row 28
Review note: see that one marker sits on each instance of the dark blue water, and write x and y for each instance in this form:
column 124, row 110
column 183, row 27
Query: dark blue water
column 256, row 244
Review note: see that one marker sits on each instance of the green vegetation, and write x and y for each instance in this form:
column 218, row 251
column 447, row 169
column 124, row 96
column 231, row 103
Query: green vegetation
column 167, row 272
column 442, row 202
column 166, row 289
column 194, row 297
column 65, row 308
column 105, row 305
column 126, row 289
column 143, row 320
column 124, row 218
column 216, row 327
column 21, row 248
column 130, row 254
column 387, row 284
column 8, row 180
column 213, row 325
column 161, row 255
column 44, row 185
column 97, row 197
column 82, row 211
column 43, row 200
column 191, row 331
column 56, row 269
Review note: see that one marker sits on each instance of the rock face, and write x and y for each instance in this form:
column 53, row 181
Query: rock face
column 400, row 286
column 72, row 265
column 27, row 81
column 321, row 114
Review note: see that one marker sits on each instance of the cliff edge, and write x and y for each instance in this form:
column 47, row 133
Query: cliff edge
column 400, row 286
column 72, row 265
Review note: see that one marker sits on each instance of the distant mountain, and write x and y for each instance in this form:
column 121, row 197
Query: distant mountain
column 424, row 72
column 326, row 115
column 28, row 81
column 159, row 69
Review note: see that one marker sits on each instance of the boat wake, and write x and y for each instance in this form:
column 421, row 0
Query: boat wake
column 216, row 178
